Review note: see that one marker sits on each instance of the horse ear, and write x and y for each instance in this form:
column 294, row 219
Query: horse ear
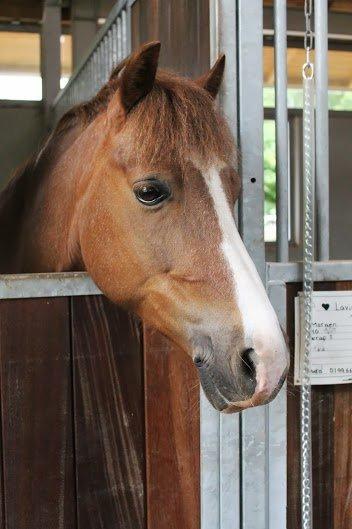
column 115, row 72
column 137, row 78
column 211, row 81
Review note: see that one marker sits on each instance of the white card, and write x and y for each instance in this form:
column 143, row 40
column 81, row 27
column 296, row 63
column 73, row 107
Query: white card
column 331, row 347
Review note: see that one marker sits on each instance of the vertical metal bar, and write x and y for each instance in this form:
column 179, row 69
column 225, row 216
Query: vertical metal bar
column 124, row 33
column 128, row 29
column 277, row 430
column 106, row 58
column 227, row 43
column 322, row 129
column 110, row 52
column 210, row 430
column 277, row 410
column 251, row 118
column 50, row 55
column 119, row 38
column 281, row 130
column 254, row 422
column 223, row 38
column 114, row 44
column 210, row 465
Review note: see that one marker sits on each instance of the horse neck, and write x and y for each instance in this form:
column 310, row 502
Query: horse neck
column 36, row 211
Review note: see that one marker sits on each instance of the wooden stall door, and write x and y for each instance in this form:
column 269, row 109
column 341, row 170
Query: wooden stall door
column 98, row 428
column 331, row 443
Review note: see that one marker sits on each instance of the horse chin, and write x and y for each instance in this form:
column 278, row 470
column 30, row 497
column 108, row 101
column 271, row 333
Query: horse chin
column 236, row 404
column 215, row 396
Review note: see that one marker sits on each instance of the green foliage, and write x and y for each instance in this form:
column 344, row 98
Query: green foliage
column 269, row 167
column 338, row 99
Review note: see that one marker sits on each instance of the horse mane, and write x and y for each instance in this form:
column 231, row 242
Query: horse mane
column 84, row 113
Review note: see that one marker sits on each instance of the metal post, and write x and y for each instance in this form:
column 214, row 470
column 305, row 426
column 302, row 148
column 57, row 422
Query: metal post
column 251, row 118
column 254, row 423
column 277, row 429
column 220, row 434
column 322, row 129
column 281, row 130
column 84, row 28
column 50, row 52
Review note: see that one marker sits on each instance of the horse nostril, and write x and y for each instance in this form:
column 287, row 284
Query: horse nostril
column 198, row 361
column 248, row 364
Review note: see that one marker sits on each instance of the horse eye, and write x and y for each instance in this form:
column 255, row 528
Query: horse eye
column 151, row 192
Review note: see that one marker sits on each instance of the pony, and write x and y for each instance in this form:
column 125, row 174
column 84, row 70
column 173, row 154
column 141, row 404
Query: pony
column 137, row 187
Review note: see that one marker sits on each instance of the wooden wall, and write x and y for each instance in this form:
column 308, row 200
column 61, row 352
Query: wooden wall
column 331, row 442
column 182, row 26
column 97, row 430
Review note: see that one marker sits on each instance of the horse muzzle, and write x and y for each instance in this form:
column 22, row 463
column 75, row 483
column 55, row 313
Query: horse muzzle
column 233, row 387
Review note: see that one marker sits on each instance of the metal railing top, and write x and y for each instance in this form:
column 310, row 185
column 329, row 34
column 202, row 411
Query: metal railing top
column 119, row 6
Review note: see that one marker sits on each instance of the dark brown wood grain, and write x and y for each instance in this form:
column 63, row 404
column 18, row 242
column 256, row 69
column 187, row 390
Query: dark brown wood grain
column 293, row 426
column 183, row 29
column 109, row 416
column 342, row 491
column 36, row 414
column 172, row 436
column 331, row 443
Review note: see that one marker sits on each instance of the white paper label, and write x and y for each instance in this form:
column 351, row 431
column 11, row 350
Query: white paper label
column 331, row 346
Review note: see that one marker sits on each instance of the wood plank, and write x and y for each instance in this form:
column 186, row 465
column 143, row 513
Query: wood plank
column 293, row 426
column 183, row 29
column 323, row 455
column 109, row 416
column 172, row 436
column 342, row 491
column 36, row 414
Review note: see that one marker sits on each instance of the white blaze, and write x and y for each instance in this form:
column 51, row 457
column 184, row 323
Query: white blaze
column 261, row 326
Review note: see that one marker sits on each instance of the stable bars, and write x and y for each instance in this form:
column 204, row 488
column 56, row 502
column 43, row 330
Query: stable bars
column 111, row 45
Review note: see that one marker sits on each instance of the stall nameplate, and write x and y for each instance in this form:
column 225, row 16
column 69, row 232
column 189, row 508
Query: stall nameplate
column 331, row 346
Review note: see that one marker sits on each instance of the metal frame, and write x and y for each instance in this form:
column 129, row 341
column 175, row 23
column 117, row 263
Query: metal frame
column 220, row 434
column 111, row 44
column 22, row 286
column 256, row 441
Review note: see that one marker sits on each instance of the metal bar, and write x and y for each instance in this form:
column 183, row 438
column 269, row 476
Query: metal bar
column 322, row 271
column 224, row 40
column 114, row 13
column 128, row 29
column 254, row 423
column 22, row 286
column 210, row 465
column 50, row 55
column 277, row 430
column 339, row 23
column 281, row 131
column 230, row 485
column 251, row 115
column 220, row 434
column 322, row 130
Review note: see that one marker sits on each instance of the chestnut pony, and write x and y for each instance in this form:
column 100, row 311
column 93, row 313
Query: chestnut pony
column 137, row 187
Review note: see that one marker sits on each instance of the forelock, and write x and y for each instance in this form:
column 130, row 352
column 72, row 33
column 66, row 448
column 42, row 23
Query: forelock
column 177, row 121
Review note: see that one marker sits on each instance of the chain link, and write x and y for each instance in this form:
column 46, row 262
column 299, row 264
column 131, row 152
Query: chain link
column 308, row 260
column 308, row 70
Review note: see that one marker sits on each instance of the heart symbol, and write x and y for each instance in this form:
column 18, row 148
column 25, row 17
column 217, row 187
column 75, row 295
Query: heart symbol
column 325, row 306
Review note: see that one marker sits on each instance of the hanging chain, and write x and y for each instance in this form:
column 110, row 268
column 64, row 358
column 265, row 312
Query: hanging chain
column 308, row 259
column 308, row 69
